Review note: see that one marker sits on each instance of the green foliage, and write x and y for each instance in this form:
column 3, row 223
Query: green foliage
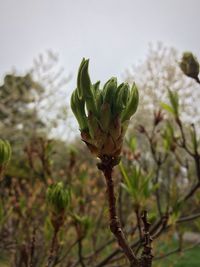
column 132, row 143
column 19, row 119
column 17, row 94
column 168, row 137
column 174, row 101
column 83, row 222
column 138, row 185
column 48, row 229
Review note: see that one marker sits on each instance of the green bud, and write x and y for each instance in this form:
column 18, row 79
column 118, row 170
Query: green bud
column 190, row 65
column 117, row 105
column 108, row 112
column 122, row 98
column 83, row 222
column 95, row 87
column 131, row 105
column 85, row 84
column 174, row 101
column 85, row 87
column 126, row 94
column 58, row 197
column 5, row 153
column 99, row 99
column 78, row 108
column 109, row 90
column 80, row 93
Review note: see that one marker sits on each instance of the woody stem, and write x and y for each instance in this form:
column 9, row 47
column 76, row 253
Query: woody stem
column 106, row 166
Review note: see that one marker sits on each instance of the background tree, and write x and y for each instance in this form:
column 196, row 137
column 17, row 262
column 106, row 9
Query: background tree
column 19, row 119
column 155, row 75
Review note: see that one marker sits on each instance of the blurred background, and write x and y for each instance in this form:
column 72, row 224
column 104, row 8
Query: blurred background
column 42, row 43
column 115, row 35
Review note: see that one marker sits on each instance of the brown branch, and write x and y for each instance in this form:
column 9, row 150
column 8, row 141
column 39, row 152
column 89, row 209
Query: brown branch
column 146, row 257
column 66, row 253
column 188, row 218
column 133, row 245
column 106, row 166
column 183, row 143
column 32, row 248
column 137, row 212
column 192, row 191
column 120, row 210
column 194, row 155
column 157, row 192
column 52, row 248
column 80, row 255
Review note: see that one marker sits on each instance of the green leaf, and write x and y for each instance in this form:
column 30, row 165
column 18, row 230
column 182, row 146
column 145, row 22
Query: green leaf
column 132, row 143
column 131, row 105
column 80, row 92
column 78, row 108
column 85, row 88
column 109, row 90
column 126, row 178
column 167, row 108
column 174, row 101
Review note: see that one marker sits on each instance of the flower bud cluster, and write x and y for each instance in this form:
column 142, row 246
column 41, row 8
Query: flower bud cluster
column 103, row 114
column 5, row 153
column 58, row 197
column 190, row 65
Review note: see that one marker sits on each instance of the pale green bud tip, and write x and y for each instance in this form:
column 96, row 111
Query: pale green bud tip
column 58, row 197
column 132, row 104
column 83, row 80
column 5, row 152
column 189, row 65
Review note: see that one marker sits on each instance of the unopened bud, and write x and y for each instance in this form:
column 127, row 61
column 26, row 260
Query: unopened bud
column 105, row 112
column 58, row 197
column 5, row 153
column 190, row 65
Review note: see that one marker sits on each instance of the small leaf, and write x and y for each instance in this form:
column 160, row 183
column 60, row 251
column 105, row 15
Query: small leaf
column 167, row 108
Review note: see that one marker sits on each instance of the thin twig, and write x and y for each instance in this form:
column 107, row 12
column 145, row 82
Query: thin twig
column 106, row 166
column 188, row 218
column 32, row 248
column 175, row 251
column 146, row 257
column 80, row 252
column 51, row 252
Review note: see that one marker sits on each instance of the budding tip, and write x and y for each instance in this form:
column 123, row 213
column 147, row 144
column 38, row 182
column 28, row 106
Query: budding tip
column 86, row 63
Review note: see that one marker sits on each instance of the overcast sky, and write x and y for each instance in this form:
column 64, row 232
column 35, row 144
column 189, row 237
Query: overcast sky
column 114, row 34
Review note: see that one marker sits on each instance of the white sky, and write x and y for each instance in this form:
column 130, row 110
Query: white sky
column 114, row 34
